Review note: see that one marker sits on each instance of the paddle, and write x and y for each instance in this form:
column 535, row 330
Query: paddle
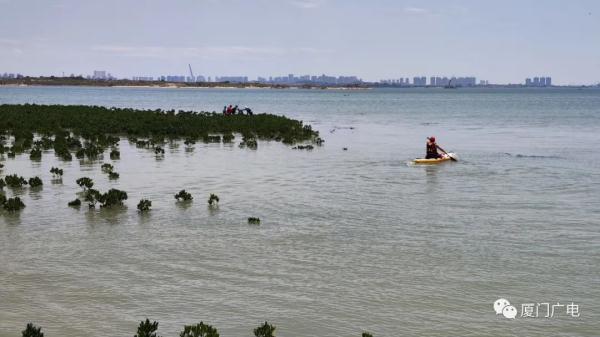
column 451, row 158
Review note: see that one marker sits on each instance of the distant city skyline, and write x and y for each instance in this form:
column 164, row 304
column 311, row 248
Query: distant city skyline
column 293, row 79
column 499, row 41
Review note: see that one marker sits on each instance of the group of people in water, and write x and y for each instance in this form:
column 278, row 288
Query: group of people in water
column 234, row 110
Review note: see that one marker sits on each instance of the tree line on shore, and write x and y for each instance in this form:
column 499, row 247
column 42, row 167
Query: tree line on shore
column 150, row 329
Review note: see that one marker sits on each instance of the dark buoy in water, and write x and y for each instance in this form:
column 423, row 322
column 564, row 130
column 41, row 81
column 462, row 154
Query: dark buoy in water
column 345, row 149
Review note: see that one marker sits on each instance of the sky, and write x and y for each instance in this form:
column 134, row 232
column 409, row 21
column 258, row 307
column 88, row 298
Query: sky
column 500, row 41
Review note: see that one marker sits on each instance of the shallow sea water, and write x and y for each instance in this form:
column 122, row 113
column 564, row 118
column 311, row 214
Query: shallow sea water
column 349, row 240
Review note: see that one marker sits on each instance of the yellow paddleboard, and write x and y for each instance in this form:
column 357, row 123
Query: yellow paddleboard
column 436, row 160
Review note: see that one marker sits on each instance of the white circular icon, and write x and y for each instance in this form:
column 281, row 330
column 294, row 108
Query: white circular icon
column 500, row 304
column 509, row 311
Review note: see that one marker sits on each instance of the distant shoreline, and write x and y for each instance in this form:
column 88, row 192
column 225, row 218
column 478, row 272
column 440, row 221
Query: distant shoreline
column 83, row 82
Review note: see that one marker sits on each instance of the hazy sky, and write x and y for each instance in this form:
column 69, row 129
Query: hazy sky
column 502, row 41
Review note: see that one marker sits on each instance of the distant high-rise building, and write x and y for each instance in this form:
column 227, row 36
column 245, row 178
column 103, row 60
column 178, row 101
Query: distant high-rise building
column 99, row 75
column 528, row 82
column 536, row 81
column 542, row 82
column 420, row 81
column 233, row 79
column 548, row 81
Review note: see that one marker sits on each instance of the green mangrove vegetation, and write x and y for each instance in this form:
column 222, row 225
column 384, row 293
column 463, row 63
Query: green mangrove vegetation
column 88, row 132
column 101, row 126
column 254, row 221
column 115, row 154
column 249, row 142
column 113, row 197
column 265, row 330
column 213, row 199
column 74, row 203
column 35, row 182
column 199, row 330
column 144, row 205
column 32, row 331
column 35, row 154
column 15, row 181
column 13, row 204
column 85, row 183
column 183, row 196
column 149, row 328
column 107, row 168
column 303, row 147
column 56, row 172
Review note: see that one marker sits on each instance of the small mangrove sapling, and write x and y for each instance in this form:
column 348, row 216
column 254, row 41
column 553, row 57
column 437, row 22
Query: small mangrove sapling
column 32, row 331
column 56, row 172
column 199, row 330
column 213, row 199
column 144, row 205
column 265, row 330
column 74, row 203
column 147, row 329
column 115, row 154
column 107, row 168
column 183, row 196
column 85, row 183
column 35, row 182
column 13, row 204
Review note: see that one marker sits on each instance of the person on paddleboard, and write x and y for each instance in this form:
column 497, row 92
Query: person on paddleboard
column 432, row 148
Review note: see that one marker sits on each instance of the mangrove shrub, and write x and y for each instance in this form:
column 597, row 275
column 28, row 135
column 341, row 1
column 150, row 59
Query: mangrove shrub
column 115, row 154
column 13, row 204
column 56, row 172
column 35, row 154
column 113, row 197
column 265, row 330
column 213, row 199
column 74, row 203
column 183, row 196
column 144, row 205
column 199, row 330
column 35, row 182
column 15, row 181
column 85, row 183
column 106, row 168
column 147, row 329
column 32, row 331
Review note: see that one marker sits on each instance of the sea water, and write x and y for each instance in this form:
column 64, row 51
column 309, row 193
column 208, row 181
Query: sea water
column 350, row 240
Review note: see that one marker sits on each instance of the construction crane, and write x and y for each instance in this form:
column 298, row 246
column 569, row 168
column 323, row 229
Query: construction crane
column 191, row 72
